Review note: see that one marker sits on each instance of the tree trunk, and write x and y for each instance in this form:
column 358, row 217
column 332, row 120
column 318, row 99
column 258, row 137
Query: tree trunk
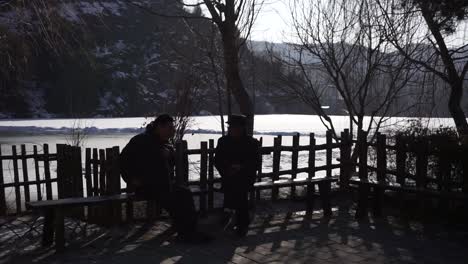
column 233, row 80
column 456, row 94
column 454, row 80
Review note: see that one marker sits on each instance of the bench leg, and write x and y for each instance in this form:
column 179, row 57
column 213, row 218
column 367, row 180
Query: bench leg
column 310, row 198
column 129, row 212
column 378, row 201
column 59, row 226
column 361, row 210
column 324, row 189
column 48, row 228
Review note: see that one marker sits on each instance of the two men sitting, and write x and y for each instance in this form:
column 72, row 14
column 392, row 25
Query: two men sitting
column 147, row 164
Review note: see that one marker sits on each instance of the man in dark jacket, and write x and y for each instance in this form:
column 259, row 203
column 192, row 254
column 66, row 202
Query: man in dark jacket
column 237, row 160
column 147, row 165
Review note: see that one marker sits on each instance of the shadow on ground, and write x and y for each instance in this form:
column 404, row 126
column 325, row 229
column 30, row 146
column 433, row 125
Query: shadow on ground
column 280, row 233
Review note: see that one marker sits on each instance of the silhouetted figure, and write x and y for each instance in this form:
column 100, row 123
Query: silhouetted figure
column 147, row 163
column 237, row 160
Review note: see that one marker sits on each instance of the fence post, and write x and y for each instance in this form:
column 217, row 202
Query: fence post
column 294, row 161
column 113, row 182
column 61, row 171
column 329, row 138
column 400, row 159
column 16, row 180
column 203, row 175
column 381, row 172
column 211, row 149
column 381, row 157
column 88, row 172
column 76, row 177
column 36, row 169
column 102, row 172
column 362, row 142
column 77, row 172
column 95, row 173
column 421, row 171
column 465, row 168
column 24, row 168
column 186, row 161
column 48, row 183
column 364, row 189
column 421, row 163
column 3, row 207
column 276, row 165
column 179, row 173
column 260, row 168
column 311, row 174
column 345, row 160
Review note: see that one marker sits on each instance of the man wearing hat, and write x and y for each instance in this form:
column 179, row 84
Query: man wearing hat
column 237, row 160
column 147, row 165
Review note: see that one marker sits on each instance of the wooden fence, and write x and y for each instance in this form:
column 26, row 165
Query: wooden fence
column 29, row 171
column 99, row 173
column 439, row 166
column 66, row 174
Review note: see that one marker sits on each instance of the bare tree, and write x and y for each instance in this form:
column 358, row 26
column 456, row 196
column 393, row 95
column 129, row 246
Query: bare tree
column 421, row 31
column 234, row 20
column 343, row 61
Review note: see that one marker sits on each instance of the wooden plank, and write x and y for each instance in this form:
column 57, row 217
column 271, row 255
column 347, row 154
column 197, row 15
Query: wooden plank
column 345, row 159
column 329, row 140
column 16, row 180
column 311, row 174
column 24, row 168
column 465, row 168
column 294, row 162
column 381, row 156
column 421, row 163
column 95, row 172
column 88, row 179
column 38, row 176
column 3, row 207
column 260, row 170
column 210, row 174
column 381, row 172
column 48, row 183
column 77, row 172
column 179, row 169
column 311, row 161
column 362, row 154
column 79, row 201
column 400, row 160
column 276, row 165
column 113, row 183
column 77, row 178
column 203, row 175
column 185, row 162
column 102, row 172
column 61, row 171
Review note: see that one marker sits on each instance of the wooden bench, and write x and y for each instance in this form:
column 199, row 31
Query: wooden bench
column 368, row 186
column 323, row 183
column 54, row 214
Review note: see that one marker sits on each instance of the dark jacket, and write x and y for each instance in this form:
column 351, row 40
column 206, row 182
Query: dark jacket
column 245, row 152
column 149, row 162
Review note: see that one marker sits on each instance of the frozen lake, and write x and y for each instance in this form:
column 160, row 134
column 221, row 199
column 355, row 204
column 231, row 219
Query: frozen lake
column 109, row 132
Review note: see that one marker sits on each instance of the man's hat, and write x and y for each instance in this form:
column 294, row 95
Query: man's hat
column 237, row 120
